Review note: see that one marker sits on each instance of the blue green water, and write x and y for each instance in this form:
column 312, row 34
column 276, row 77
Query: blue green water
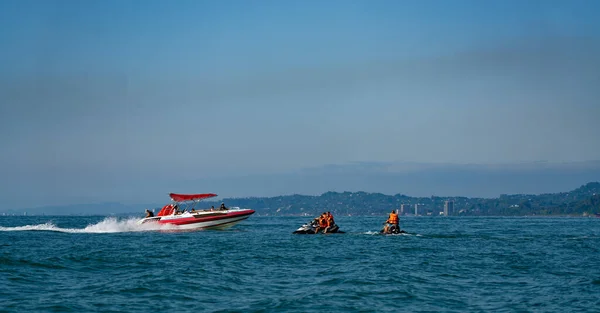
column 84, row 264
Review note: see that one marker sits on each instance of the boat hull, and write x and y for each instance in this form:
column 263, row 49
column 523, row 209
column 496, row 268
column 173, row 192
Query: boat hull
column 203, row 219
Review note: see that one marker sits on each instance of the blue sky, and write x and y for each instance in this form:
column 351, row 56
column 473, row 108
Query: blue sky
column 98, row 97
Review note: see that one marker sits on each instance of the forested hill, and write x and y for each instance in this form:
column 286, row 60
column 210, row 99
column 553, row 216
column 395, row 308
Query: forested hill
column 583, row 200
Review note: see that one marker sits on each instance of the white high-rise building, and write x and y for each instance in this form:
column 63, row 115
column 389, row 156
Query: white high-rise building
column 448, row 207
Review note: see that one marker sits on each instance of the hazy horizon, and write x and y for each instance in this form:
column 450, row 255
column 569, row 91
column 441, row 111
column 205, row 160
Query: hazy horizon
column 411, row 179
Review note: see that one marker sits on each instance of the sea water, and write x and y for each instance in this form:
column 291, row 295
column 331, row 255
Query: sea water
column 443, row 264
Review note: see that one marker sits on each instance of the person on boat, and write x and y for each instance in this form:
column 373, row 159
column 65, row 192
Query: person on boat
column 391, row 221
column 318, row 219
column 322, row 222
column 149, row 213
column 223, row 206
column 212, row 207
column 328, row 222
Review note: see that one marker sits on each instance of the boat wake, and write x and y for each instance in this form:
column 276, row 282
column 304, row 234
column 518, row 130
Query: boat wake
column 371, row 233
column 401, row 234
column 108, row 225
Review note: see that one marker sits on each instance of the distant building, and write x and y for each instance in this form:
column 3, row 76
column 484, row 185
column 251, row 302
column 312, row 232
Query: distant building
column 402, row 206
column 448, row 207
column 416, row 209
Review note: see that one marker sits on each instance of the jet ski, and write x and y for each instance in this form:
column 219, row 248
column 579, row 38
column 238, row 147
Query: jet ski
column 310, row 227
column 392, row 230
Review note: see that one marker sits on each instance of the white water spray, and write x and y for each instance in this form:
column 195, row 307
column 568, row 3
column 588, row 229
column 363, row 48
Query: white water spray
column 108, row 225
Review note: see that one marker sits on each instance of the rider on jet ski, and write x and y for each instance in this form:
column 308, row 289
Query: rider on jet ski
column 322, row 222
column 325, row 222
column 392, row 221
column 329, row 221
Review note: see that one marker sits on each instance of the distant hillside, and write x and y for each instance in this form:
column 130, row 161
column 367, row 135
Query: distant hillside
column 389, row 178
column 585, row 199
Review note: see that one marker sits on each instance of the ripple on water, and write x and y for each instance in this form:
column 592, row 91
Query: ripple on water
column 449, row 265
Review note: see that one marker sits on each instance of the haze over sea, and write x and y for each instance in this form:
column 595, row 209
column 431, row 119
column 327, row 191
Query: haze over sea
column 79, row 264
column 127, row 101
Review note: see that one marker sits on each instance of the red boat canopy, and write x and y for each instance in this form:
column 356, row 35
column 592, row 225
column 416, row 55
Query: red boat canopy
column 179, row 197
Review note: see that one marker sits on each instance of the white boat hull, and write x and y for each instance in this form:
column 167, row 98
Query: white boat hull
column 202, row 219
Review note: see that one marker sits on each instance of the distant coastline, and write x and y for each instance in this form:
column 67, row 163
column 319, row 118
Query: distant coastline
column 583, row 201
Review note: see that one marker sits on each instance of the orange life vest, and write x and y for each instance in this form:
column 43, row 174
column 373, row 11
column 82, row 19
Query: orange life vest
column 329, row 221
column 393, row 218
column 322, row 222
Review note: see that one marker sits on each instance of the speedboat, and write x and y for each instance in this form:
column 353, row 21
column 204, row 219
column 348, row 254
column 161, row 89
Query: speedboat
column 310, row 228
column 190, row 218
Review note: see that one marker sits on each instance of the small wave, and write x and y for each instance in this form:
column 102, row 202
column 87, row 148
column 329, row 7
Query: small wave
column 108, row 225
column 401, row 234
column 371, row 233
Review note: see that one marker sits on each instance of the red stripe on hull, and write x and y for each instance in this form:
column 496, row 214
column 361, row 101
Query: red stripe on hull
column 193, row 220
column 221, row 224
